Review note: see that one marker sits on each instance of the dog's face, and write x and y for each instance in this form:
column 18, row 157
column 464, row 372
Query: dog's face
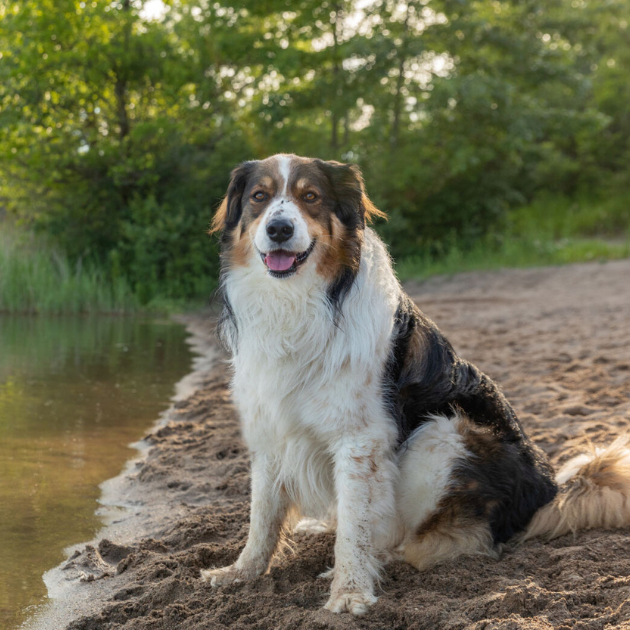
column 287, row 213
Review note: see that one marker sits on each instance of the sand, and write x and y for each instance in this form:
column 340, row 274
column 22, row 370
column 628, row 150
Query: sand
column 557, row 340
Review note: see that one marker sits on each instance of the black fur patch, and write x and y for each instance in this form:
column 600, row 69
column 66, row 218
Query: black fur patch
column 506, row 482
column 234, row 200
column 418, row 386
column 339, row 289
column 511, row 477
column 345, row 186
column 226, row 330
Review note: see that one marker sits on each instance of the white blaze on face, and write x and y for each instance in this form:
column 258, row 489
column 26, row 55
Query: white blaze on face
column 284, row 166
column 282, row 206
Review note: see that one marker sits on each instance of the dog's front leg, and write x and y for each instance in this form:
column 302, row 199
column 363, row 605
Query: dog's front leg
column 268, row 510
column 358, row 475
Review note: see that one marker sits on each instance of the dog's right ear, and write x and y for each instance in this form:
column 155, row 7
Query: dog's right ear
column 353, row 204
column 229, row 212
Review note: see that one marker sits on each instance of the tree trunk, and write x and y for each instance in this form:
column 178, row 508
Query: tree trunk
column 337, row 92
column 120, row 90
column 120, row 87
column 400, row 81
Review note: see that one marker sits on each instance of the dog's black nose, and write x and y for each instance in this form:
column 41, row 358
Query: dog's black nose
column 280, row 230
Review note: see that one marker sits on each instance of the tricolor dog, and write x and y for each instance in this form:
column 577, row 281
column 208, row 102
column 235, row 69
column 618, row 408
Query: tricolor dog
column 358, row 414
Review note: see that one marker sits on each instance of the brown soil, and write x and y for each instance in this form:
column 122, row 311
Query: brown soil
column 558, row 342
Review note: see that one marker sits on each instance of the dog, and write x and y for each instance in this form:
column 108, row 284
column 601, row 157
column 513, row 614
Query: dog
column 358, row 414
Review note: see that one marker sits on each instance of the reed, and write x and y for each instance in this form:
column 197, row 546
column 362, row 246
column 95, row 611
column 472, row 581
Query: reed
column 37, row 278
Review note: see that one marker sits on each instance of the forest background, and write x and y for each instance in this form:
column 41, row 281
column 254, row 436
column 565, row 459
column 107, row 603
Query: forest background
column 492, row 133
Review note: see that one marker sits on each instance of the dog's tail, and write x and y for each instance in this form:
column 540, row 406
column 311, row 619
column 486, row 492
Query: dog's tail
column 594, row 492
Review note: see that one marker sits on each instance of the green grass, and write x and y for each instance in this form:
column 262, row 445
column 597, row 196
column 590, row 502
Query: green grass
column 550, row 231
column 36, row 278
column 553, row 217
column 515, row 252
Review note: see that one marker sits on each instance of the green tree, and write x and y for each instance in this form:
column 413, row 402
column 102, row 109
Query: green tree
column 116, row 133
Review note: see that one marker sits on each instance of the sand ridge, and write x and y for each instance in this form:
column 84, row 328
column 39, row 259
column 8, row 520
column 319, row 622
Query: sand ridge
column 557, row 340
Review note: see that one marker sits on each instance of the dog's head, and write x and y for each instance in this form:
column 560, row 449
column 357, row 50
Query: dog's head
column 287, row 214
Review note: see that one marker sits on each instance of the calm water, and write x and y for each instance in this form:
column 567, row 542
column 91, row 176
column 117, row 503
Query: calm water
column 74, row 392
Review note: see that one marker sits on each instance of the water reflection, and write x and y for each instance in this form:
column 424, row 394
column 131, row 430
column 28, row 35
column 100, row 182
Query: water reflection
column 74, row 392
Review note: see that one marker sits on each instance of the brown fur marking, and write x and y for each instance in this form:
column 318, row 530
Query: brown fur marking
column 371, row 211
column 218, row 220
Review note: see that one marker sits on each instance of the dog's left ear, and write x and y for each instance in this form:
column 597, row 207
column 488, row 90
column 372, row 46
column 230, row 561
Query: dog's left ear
column 229, row 212
column 354, row 207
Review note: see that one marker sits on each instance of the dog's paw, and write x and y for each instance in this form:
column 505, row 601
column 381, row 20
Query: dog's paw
column 311, row 526
column 226, row 575
column 356, row 603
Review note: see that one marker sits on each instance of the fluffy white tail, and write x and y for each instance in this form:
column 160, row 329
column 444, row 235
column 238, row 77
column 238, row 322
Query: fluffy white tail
column 594, row 492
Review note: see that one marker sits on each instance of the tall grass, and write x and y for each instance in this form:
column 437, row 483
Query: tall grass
column 553, row 217
column 553, row 230
column 36, row 278
column 510, row 252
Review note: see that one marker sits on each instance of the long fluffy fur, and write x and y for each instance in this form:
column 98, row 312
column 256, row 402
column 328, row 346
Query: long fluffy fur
column 358, row 412
column 594, row 492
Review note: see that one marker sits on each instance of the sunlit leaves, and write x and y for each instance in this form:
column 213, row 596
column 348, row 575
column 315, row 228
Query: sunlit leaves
column 112, row 112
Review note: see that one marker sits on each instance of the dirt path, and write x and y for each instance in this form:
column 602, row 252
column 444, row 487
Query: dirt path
column 558, row 342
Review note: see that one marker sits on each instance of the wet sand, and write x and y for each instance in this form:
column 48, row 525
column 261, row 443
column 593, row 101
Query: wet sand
column 557, row 340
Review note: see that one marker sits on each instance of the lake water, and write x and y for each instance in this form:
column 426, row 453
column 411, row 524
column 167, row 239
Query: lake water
column 74, row 393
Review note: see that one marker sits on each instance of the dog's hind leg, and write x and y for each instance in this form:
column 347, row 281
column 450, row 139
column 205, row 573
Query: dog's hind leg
column 439, row 524
column 447, row 543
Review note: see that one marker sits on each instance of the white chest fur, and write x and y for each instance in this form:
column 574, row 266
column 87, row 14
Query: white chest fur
column 301, row 381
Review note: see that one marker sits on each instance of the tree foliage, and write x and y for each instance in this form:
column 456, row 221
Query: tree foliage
column 118, row 129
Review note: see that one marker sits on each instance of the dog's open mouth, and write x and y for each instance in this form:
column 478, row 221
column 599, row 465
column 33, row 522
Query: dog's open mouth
column 282, row 263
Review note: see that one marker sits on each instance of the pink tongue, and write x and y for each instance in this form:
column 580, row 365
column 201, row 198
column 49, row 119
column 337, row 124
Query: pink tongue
column 279, row 261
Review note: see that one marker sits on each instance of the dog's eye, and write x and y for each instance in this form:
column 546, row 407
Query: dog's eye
column 310, row 196
column 259, row 195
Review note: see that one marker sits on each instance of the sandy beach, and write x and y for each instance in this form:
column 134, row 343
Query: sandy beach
column 557, row 340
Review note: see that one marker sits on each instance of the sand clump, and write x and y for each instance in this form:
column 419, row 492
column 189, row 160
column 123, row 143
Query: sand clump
column 557, row 340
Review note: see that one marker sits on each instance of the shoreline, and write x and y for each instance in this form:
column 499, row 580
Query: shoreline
column 556, row 339
column 128, row 512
